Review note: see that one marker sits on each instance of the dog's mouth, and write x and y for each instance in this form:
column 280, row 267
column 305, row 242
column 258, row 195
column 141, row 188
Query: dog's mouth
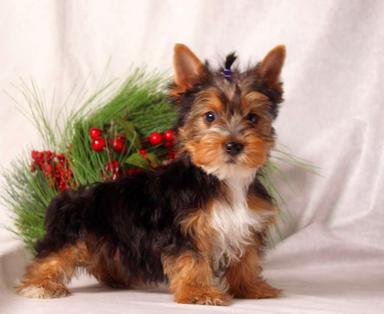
column 231, row 161
column 244, row 160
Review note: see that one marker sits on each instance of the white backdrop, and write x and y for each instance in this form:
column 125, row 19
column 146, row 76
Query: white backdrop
column 332, row 257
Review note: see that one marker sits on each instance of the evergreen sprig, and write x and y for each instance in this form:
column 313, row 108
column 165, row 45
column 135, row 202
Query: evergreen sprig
column 136, row 108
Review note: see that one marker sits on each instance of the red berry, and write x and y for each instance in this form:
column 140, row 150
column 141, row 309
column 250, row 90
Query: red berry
column 98, row 144
column 169, row 135
column 134, row 171
column 171, row 155
column 94, row 133
column 155, row 138
column 113, row 166
column 168, row 144
column 143, row 152
column 63, row 186
column 35, row 154
column 118, row 144
column 48, row 169
column 48, row 155
column 63, row 173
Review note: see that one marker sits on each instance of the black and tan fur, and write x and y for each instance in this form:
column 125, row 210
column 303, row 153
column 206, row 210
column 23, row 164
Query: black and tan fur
column 197, row 223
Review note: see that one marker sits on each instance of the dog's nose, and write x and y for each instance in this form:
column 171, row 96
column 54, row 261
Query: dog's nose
column 233, row 148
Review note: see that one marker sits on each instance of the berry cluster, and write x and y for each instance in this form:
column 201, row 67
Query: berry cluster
column 54, row 166
column 99, row 143
column 167, row 139
column 118, row 144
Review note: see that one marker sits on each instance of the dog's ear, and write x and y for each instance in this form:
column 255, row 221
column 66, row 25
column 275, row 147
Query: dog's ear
column 270, row 68
column 188, row 68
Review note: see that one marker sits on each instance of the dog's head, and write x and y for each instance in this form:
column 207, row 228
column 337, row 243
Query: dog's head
column 226, row 115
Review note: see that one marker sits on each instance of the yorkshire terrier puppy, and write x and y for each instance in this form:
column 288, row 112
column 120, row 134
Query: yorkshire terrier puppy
column 197, row 223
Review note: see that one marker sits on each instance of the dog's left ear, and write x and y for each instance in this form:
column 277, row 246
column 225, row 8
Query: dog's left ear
column 188, row 68
column 270, row 68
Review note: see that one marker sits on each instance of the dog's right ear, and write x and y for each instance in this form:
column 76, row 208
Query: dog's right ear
column 187, row 67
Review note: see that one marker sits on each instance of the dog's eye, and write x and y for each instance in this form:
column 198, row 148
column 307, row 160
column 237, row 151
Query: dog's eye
column 210, row 116
column 252, row 117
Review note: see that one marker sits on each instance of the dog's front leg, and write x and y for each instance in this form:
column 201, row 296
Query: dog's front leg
column 244, row 278
column 191, row 280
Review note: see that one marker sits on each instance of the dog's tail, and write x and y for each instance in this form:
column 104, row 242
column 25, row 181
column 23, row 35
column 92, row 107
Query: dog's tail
column 64, row 220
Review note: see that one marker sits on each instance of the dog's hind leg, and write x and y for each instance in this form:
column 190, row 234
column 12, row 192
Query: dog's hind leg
column 107, row 267
column 46, row 276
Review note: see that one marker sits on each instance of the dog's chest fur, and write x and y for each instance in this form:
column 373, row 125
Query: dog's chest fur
column 235, row 224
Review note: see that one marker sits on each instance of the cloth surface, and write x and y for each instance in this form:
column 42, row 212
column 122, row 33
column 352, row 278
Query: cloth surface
column 331, row 257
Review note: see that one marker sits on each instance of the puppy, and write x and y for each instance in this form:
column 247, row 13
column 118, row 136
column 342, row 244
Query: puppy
column 197, row 223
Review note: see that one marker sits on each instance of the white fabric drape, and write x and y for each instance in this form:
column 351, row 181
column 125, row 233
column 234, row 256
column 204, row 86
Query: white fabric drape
column 332, row 256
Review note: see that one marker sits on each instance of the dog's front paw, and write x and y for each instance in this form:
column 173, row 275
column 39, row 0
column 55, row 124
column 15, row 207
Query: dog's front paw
column 45, row 291
column 204, row 296
column 261, row 290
